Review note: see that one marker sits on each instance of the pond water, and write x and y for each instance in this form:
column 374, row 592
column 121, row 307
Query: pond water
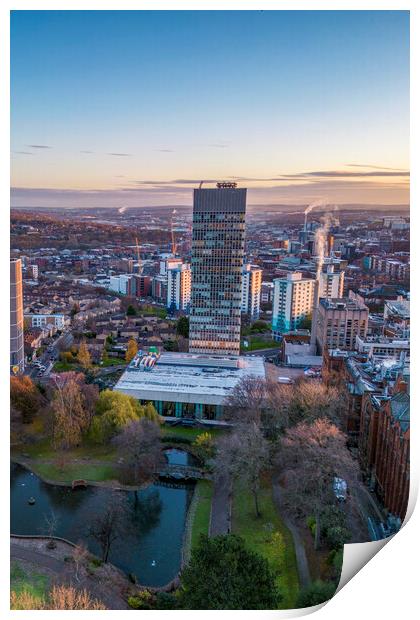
column 152, row 527
column 175, row 456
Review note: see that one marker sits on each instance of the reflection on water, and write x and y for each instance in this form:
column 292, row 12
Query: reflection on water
column 175, row 456
column 153, row 521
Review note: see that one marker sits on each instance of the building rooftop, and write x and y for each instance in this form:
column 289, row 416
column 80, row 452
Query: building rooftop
column 189, row 378
column 342, row 303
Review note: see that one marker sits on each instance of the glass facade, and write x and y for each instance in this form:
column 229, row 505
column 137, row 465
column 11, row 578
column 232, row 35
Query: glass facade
column 218, row 237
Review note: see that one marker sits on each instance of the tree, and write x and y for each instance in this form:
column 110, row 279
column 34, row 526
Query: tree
column 114, row 410
column 307, row 400
column 183, row 326
column 224, row 574
column 75, row 309
column 204, row 443
column 131, row 311
column 83, row 356
column 25, row 397
column 310, row 456
column 108, row 525
column 131, row 350
column 79, row 555
column 139, row 449
column 316, row 593
column 51, row 523
column 71, row 415
column 246, row 401
column 243, row 455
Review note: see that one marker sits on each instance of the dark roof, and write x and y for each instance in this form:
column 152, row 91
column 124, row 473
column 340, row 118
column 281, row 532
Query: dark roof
column 400, row 410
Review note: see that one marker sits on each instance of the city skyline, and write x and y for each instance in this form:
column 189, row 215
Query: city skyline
column 135, row 109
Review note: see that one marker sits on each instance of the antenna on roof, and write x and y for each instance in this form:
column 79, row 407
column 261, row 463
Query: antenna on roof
column 201, row 184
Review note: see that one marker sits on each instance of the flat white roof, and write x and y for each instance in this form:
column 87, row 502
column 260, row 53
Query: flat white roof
column 189, row 378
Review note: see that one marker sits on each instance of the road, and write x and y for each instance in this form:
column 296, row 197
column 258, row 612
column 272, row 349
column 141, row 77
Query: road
column 48, row 358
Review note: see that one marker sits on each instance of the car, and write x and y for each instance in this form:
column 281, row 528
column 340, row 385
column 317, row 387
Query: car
column 340, row 489
column 41, row 373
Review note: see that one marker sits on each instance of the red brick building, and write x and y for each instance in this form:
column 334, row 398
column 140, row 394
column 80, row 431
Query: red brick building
column 392, row 455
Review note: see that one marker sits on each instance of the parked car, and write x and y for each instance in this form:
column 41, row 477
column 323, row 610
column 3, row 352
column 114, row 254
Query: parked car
column 340, row 489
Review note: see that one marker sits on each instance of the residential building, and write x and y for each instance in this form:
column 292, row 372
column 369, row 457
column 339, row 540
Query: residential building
column 17, row 354
column 292, row 304
column 251, row 290
column 218, row 236
column 338, row 322
column 331, row 283
column 179, row 287
column 58, row 321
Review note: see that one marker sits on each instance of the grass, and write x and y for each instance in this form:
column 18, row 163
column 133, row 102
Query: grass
column 64, row 367
column 31, row 581
column 189, row 432
column 111, row 361
column 256, row 342
column 201, row 521
column 73, row 471
column 269, row 537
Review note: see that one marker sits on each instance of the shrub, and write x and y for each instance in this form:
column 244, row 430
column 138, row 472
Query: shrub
column 337, row 536
column 164, row 600
column 311, row 523
column 316, row 593
column 142, row 600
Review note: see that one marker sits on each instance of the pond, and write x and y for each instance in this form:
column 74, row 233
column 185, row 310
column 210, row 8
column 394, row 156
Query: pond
column 175, row 456
column 152, row 524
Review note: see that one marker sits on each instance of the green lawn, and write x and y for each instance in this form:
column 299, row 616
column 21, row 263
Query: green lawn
column 200, row 524
column 256, row 342
column 28, row 580
column 64, row 367
column 73, row 471
column 189, row 432
column 269, row 537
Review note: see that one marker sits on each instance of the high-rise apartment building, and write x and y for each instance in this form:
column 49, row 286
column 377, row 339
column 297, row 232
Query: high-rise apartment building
column 338, row 322
column 17, row 356
column 251, row 290
column 292, row 303
column 218, row 237
column 179, row 287
column 331, row 283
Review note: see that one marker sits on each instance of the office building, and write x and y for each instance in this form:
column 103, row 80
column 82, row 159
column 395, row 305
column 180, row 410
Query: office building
column 185, row 385
column 17, row 355
column 217, row 255
column 179, row 287
column 292, row 303
column 251, row 291
column 338, row 322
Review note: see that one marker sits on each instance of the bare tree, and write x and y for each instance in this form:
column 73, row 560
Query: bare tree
column 139, row 448
column 311, row 454
column 246, row 401
column 51, row 523
column 107, row 526
column 242, row 456
column 80, row 554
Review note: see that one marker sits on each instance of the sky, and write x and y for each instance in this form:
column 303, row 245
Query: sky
column 135, row 108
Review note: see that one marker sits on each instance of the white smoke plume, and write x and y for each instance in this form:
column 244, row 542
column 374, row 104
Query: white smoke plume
column 122, row 209
column 321, row 235
column 309, row 208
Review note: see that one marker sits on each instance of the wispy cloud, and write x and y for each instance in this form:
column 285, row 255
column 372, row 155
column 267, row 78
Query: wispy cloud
column 165, row 150
column 374, row 167
column 120, row 154
column 38, row 146
column 219, row 145
column 22, row 153
column 87, row 152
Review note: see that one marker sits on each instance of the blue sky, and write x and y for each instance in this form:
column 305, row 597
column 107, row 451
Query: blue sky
column 137, row 106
